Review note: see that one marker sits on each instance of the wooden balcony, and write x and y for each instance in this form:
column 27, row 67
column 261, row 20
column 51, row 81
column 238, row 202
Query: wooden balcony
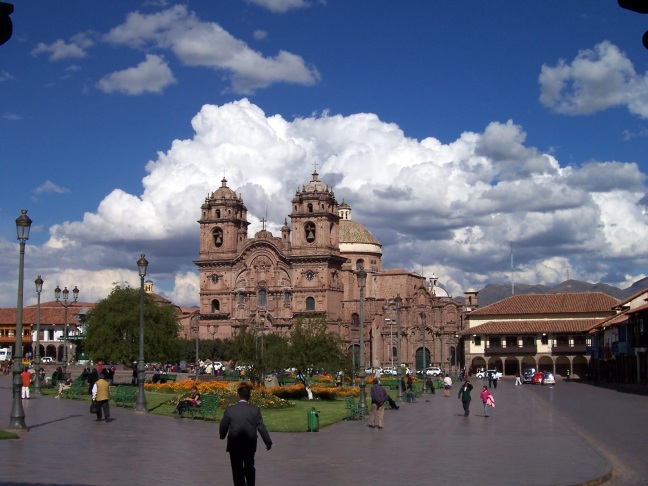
column 569, row 349
column 529, row 349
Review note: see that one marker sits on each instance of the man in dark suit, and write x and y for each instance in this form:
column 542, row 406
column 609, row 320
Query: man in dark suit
column 240, row 424
column 464, row 394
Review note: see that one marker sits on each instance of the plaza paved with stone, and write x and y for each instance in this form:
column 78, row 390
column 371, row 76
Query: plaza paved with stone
column 531, row 438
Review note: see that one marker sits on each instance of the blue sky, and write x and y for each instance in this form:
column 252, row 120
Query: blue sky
column 451, row 128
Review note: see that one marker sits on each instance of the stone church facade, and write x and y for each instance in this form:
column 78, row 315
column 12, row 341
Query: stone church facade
column 310, row 270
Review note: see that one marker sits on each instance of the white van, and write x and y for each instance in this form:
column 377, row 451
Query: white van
column 5, row 354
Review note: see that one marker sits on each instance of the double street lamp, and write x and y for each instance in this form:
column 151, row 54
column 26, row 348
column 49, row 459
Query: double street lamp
column 39, row 289
column 17, row 417
column 66, row 305
column 140, row 404
column 362, row 282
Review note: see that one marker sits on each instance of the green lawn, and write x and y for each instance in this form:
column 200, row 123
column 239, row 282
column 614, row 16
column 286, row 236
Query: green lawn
column 7, row 435
column 293, row 419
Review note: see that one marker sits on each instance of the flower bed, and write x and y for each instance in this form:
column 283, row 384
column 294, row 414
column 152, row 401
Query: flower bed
column 227, row 391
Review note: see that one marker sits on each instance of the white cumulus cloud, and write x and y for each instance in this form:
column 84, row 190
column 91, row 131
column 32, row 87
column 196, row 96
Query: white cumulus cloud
column 450, row 208
column 150, row 76
column 595, row 80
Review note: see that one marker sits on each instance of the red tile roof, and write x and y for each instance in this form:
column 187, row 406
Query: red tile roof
column 572, row 303
column 532, row 326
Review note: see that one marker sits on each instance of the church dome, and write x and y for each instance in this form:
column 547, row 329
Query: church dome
column 224, row 192
column 355, row 237
column 353, row 232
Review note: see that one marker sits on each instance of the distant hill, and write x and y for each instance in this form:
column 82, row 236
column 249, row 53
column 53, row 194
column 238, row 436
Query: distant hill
column 496, row 292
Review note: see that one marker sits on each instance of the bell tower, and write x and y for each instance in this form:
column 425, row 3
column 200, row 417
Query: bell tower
column 223, row 223
column 315, row 219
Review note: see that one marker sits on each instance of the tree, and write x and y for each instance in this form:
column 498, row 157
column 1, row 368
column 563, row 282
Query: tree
column 314, row 347
column 113, row 328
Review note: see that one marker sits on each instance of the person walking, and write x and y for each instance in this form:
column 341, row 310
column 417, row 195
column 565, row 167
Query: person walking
column 378, row 399
column 518, row 380
column 447, row 385
column 487, row 400
column 101, row 395
column 464, row 395
column 240, row 424
column 25, row 377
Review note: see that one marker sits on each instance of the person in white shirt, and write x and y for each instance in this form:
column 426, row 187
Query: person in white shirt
column 447, row 385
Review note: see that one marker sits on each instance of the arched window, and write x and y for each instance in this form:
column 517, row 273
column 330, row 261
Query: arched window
column 355, row 320
column 309, row 229
column 359, row 264
column 310, row 304
column 310, row 207
column 262, row 298
column 215, row 305
column 218, row 213
column 286, row 297
column 241, row 298
column 218, row 237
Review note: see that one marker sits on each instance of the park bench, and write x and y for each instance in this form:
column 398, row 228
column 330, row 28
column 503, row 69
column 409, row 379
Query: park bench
column 123, row 396
column 208, row 407
column 166, row 378
column 353, row 410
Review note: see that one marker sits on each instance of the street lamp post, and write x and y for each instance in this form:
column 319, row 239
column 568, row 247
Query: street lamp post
column 66, row 305
column 399, row 372
column 37, row 356
column 362, row 282
column 197, row 343
column 140, row 404
column 423, row 328
column 17, row 417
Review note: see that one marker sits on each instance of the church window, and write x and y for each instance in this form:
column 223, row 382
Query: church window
column 218, row 213
column 309, row 229
column 218, row 237
column 286, row 297
column 359, row 264
column 355, row 320
column 310, row 207
column 241, row 298
column 262, row 298
column 310, row 304
column 215, row 306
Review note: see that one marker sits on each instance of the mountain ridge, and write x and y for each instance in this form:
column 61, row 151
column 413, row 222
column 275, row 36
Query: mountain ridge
column 492, row 293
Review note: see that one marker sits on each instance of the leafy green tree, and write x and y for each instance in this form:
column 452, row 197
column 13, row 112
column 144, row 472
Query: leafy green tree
column 314, row 347
column 113, row 328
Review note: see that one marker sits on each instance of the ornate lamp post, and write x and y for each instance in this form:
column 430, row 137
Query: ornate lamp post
column 399, row 372
column 39, row 289
column 140, row 404
column 66, row 305
column 362, row 282
column 17, row 417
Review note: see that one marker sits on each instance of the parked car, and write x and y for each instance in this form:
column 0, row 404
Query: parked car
column 388, row 371
column 548, row 379
column 527, row 375
column 538, row 377
column 484, row 374
column 47, row 359
column 434, row 371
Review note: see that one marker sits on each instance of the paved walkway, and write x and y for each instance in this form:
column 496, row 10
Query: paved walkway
column 428, row 442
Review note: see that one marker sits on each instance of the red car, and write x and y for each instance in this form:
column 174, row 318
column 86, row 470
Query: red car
column 538, row 377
